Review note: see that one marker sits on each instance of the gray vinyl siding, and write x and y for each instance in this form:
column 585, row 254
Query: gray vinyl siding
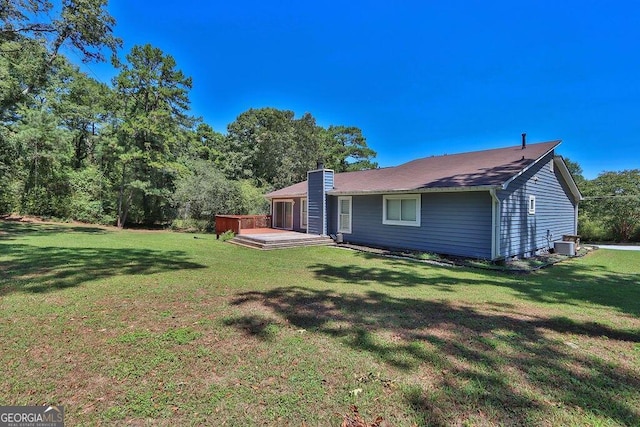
column 457, row 223
column 318, row 182
column 522, row 233
column 315, row 202
column 328, row 180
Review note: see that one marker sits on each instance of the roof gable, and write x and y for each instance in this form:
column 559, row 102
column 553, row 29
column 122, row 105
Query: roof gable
column 488, row 168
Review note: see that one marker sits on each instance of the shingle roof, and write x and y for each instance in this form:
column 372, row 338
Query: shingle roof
column 465, row 170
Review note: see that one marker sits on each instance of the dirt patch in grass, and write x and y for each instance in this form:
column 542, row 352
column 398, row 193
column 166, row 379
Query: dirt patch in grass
column 28, row 219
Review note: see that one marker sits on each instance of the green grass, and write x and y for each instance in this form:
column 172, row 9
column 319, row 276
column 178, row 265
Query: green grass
column 134, row 327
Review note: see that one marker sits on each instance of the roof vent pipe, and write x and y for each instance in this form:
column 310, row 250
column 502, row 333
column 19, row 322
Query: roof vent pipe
column 524, row 141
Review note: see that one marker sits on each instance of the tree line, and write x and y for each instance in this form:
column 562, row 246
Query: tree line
column 610, row 210
column 130, row 152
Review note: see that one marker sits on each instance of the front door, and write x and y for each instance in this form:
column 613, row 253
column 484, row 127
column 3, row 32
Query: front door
column 283, row 215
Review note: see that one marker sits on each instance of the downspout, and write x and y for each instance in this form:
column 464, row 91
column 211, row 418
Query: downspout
column 495, row 225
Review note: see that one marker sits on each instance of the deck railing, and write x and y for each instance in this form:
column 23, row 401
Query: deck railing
column 237, row 223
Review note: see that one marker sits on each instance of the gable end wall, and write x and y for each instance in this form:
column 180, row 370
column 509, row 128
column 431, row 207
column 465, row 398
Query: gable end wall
column 522, row 233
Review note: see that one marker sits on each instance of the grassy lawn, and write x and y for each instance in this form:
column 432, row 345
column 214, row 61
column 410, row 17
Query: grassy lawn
column 133, row 327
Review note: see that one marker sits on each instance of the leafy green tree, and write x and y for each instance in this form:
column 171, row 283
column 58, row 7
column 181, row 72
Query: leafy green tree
column 308, row 146
column 44, row 151
column 260, row 145
column 253, row 201
column 152, row 123
column 346, row 149
column 273, row 148
column 82, row 105
column 205, row 192
column 206, row 144
column 8, row 171
column 20, row 63
column 45, row 134
column 576, row 172
column 614, row 198
column 86, row 25
column 34, row 77
column 89, row 195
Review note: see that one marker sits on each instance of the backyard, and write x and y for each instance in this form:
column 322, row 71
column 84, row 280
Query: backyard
column 155, row 327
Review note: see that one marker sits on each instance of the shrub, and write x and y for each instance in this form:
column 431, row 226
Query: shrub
column 191, row 225
column 45, row 202
column 253, row 201
column 205, row 193
column 227, row 235
column 9, row 197
column 87, row 190
column 593, row 230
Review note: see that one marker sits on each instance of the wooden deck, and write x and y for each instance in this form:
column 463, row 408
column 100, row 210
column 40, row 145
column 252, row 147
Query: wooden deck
column 263, row 231
column 253, row 231
column 271, row 238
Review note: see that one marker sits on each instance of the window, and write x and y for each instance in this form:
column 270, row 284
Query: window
column 303, row 213
column 532, row 205
column 402, row 209
column 344, row 214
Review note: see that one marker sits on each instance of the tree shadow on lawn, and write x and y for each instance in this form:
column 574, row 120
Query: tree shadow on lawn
column 568, row 283
column 43, row 269
column 10, row 230
column 502, row 365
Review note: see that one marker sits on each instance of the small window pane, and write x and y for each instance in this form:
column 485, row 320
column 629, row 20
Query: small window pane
column 408, row 209
column 344, row 206
column 532, row 205
column 393, row 210
column 344, row 223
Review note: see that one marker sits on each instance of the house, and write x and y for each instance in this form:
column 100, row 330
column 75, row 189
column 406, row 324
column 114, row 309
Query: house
column 490, row 204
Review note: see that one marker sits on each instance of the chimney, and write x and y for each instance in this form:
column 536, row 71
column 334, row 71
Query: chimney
column 320, row 164
column 524, row 141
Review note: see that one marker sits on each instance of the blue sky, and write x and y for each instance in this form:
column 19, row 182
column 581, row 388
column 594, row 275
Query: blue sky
column 419, row 78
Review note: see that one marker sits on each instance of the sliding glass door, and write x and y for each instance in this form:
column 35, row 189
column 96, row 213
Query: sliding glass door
column 283, row 215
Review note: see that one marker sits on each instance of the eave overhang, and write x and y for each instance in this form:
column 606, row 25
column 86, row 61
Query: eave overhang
column 414, row 190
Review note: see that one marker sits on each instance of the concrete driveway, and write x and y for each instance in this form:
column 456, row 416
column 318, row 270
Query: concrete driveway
column 620, row 247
